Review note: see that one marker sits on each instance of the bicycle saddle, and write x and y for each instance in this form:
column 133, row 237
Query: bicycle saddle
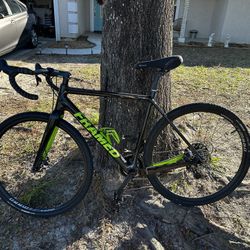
column 164, row 64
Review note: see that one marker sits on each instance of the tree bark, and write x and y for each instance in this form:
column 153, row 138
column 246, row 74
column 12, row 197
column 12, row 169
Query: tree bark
column 133, row 31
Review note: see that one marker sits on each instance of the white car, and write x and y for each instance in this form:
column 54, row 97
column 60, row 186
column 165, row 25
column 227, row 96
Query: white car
column 17, row 27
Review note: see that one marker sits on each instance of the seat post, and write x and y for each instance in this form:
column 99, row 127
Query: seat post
column 154, row 86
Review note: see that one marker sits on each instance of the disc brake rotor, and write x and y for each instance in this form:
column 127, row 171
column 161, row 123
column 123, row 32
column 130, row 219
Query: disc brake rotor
column 202, row 166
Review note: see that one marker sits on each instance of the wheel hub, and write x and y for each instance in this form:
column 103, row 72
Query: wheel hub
column 201, row 161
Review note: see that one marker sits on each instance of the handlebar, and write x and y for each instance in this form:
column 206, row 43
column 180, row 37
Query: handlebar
column 13, row 71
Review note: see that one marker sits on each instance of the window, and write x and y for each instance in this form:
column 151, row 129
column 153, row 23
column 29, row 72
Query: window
column 3, row 10
column 22, row 7
column 14, row 6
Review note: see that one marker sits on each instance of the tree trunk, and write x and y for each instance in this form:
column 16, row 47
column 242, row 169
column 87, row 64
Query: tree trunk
column 133, row 31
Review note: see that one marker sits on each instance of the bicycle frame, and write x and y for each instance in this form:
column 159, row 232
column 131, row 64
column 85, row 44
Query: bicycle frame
column 64, row 103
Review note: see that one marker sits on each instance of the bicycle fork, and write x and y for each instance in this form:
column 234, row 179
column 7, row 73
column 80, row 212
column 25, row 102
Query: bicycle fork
column 47, row 140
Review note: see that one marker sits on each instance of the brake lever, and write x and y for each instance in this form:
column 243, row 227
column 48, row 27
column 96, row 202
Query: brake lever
column 38, row 79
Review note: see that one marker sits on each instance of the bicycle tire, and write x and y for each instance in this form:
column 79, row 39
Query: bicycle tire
column 189, row 192
column 66, row 174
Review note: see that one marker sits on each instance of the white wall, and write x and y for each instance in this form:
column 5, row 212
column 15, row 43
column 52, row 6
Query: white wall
column 200, row 17
column 237, row 21
column 218, row 19
column 83, row 16
column 63, row 18
column 221, row 17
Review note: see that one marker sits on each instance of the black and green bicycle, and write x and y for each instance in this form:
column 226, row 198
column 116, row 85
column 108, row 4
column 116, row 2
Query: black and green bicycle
column 194, row 155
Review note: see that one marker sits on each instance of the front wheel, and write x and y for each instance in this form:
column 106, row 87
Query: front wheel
column 221, row 140
column 65, row 174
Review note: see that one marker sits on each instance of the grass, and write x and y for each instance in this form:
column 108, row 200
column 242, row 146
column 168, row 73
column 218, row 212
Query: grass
column 214, row 57
column 220, row 76
column 220, row 79
column 94, row 118
column 177, row 186
column 215, row 75
column 36, row 195
column 88, row 72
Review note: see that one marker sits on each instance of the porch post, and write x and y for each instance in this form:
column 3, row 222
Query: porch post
column 178, row 2
column 92, row 16
column 181, row 39
column 57, row 20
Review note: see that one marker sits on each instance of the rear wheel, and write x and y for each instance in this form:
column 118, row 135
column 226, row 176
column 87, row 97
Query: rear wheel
column 64, row 177
column 222, row 142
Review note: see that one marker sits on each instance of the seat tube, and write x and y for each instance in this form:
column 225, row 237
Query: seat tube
column 154, row 86
column 140, row 139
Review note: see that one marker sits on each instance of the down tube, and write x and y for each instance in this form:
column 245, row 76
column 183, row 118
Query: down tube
column 87, row 124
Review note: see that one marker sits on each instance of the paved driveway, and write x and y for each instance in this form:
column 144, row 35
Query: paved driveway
column 19, row 54
column 23, row 53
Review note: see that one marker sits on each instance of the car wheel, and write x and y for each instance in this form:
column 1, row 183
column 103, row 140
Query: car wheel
column 33, row 39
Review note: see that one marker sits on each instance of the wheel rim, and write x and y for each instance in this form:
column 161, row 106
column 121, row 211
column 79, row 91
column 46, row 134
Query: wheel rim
column 225, row 151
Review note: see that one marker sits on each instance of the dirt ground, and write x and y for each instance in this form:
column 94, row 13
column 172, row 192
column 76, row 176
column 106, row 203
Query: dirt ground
column 80, row 43
column 222, row 225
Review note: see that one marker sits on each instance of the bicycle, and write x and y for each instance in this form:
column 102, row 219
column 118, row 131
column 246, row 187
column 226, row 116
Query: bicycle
column 194, row 155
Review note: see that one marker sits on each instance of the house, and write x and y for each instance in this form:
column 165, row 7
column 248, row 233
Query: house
column 225, row 18
column 67, row 18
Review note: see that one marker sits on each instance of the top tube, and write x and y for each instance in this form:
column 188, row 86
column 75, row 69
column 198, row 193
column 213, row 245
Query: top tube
column 94, row 92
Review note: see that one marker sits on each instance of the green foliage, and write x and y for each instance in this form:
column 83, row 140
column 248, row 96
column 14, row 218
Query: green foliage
column 94, row 118
column 36, row 195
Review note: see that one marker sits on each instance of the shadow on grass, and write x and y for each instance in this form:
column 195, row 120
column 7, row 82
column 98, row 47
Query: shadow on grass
column 213, row 57
column 193, row 56
column 208, row 57
column 64, row 59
